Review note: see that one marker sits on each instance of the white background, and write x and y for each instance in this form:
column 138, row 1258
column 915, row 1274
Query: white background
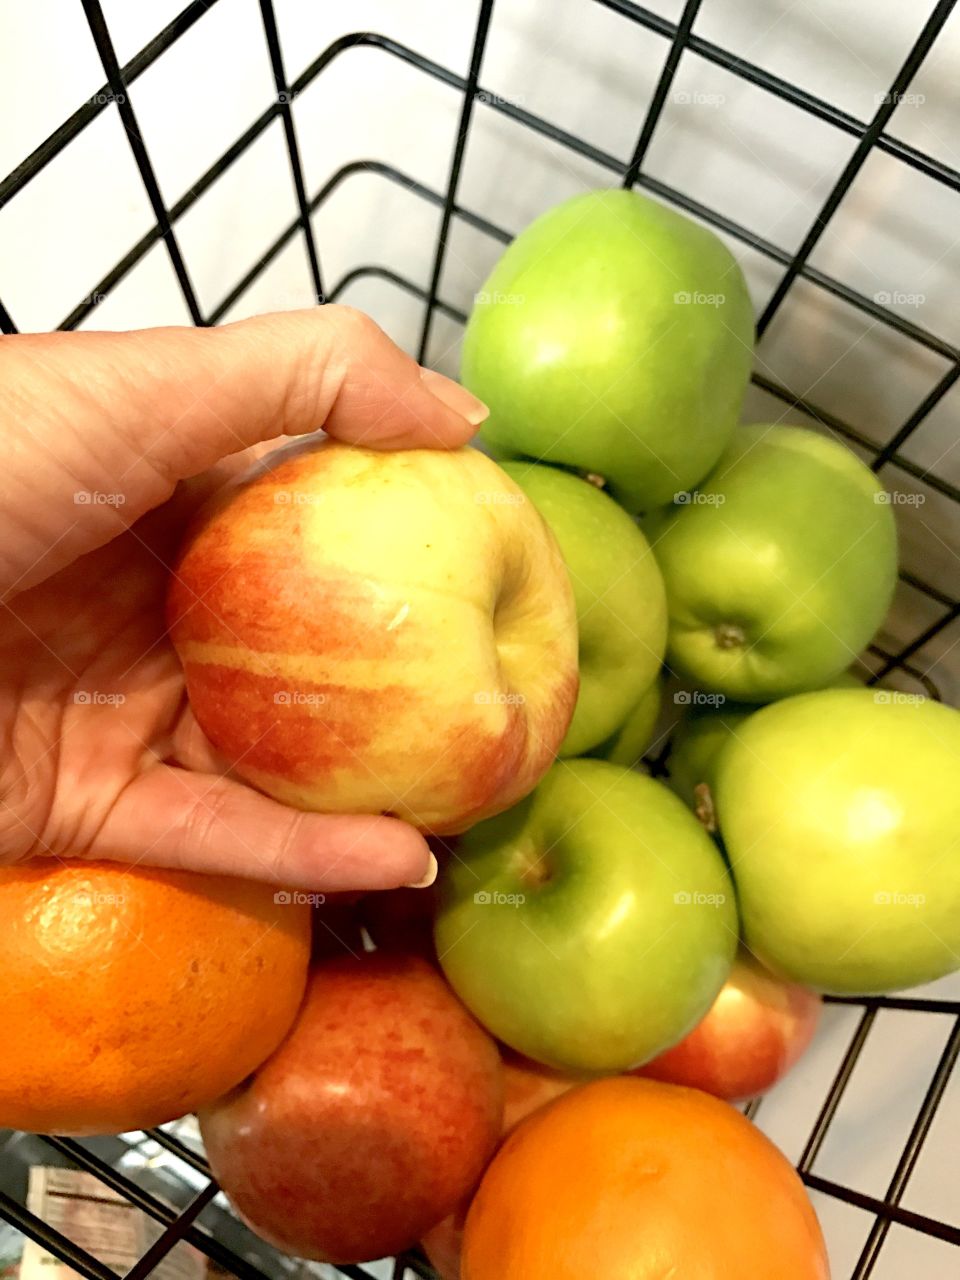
column 729, row 145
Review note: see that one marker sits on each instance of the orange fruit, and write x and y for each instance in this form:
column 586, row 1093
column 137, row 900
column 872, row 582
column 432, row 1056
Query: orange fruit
column 133, row 996
column 639, row 1180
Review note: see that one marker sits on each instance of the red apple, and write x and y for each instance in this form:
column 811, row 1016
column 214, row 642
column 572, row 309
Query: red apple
column 378, row 632
column 527, row 1086
column 755, row 1031
column 373, row 1120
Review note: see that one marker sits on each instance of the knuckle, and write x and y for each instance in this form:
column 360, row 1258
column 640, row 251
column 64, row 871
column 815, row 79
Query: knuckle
column 356, row 326
column 281, row 852
column 203, row 820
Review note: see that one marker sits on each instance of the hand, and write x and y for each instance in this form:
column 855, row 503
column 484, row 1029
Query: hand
column 109, row 441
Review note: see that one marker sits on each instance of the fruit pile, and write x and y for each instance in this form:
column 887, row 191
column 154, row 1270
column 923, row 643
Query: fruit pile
column 529, row 1067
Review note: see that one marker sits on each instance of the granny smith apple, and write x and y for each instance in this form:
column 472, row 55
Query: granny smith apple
column 614, row 335
column 618, row 592
column 590, row 926
column 633, row 739
column 780, row 568
column 703, row 732
column 694, row 750
column 840, row 812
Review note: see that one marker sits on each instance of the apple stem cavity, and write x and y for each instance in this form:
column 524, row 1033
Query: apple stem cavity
column 537, row 872
column 728, row 635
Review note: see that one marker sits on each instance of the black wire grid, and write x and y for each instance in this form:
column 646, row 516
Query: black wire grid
column 179, row 1224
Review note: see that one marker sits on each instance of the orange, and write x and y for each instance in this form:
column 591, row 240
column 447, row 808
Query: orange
column 132, row 996
column 639, row 1180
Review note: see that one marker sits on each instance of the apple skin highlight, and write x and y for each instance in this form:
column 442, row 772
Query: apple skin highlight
column 373, row 632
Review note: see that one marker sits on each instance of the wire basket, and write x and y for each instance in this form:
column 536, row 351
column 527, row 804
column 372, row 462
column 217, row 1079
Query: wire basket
column 163, row 1174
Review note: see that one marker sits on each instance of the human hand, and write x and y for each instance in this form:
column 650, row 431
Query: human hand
column 109, row 443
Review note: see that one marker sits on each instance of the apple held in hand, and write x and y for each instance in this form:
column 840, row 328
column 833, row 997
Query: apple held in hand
column 371, row 1122
column 372, row 632
column 614, row 335
column 781, row 570
column 839, row 811
column 618, row 590
column 755, row 1031
column 591, row 926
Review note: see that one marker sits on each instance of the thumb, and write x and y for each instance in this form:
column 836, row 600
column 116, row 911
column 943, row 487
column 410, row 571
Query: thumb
column 170, row 817
column 100, row 427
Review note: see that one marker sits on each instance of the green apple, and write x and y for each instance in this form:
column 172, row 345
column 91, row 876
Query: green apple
column 592, row 925
column 780, row 568
column 618, row 593
column 840, row 811
column 628, row 745
column 706, row 728
column 695, row 749
column 615, row 336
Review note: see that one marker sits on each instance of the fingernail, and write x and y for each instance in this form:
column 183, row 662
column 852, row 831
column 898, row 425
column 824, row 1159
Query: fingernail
column 455, row 397
column 428, row 877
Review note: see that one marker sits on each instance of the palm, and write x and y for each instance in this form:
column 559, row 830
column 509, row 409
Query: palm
column 93, row 693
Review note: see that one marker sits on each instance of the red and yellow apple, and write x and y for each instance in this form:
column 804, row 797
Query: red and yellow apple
column 757, row 1028
column 371, row 1122
column 378, row 632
